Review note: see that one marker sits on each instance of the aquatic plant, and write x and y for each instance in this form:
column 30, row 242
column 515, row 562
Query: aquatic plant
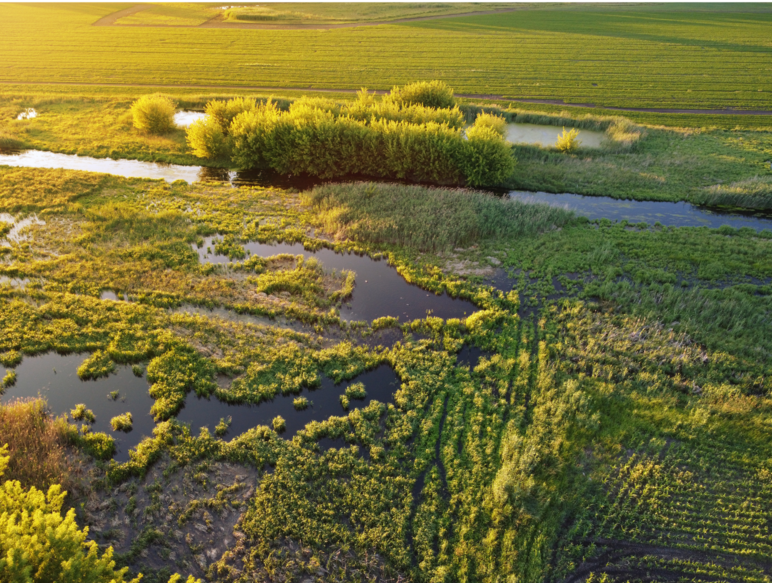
column 222, row 427
column 96, row 366
column 122, row 422
column 301, row 403
column 568, row 141
column 81, row 413
column 356, row 391
column 8, row 380
column 154, row 114
column 279, row 424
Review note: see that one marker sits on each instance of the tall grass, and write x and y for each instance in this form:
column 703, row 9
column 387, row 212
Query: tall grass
column 427, row 219
column 37, row 444
column 754, row 193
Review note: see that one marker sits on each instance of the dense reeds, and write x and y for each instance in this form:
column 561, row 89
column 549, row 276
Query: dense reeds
column 432, row 219
column 755, row 193
column 36, row 444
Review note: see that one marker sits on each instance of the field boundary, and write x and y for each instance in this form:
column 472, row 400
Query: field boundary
column 218, row 22
column 560, row 102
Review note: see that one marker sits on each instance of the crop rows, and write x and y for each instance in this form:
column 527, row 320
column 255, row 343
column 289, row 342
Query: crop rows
column 609, row 57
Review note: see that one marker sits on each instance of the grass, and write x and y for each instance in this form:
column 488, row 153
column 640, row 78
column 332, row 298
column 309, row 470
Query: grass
column 696, row 58
column 426, row 219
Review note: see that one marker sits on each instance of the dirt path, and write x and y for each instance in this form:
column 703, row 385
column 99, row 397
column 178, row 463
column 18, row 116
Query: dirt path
column 110, row 19
column 489, row 97
column 218, row 22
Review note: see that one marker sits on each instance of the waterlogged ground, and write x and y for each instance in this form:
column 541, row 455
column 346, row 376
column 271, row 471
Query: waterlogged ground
column 589, row 399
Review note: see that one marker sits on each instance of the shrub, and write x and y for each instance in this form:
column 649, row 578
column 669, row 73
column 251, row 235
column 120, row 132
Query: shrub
column 154, row 114
column 207, row 139
column 495, row 122
column 568, row 141
column 279, row 424
column 488, row 159
column 428, row 93
column 122, row 422
column 224, row 112
column 344, row 401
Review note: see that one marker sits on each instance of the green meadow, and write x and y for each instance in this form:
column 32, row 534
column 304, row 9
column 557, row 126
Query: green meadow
column 565, row 401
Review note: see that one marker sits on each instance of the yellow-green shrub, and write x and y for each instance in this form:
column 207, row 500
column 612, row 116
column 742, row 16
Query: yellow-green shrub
column 207, row 139
column 568, row 141
column 494, row 122
column 428, row 93
column 154, row 114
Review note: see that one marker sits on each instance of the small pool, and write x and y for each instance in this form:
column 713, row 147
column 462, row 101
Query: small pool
column 547, row 135
column 379, row 289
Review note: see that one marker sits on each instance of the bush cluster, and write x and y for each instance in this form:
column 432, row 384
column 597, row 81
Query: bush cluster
column 154, row 114
column 401, row 137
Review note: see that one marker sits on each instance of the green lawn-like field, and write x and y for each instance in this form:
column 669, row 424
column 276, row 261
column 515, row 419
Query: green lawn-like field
column 673, row 57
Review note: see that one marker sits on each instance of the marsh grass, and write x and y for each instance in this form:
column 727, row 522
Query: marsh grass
column 427, row 219
column 37, row 444
column 753, row 193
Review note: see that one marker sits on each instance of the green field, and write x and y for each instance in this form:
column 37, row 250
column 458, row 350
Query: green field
column 672, row 57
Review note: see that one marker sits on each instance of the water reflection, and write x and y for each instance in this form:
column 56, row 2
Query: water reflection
column 380, row 290
column 676, row 214
column 547, row 135
column 54, row 376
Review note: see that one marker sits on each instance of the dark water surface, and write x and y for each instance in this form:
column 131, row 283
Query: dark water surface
column 55, row 377
column 379, row 290
column 380, row 384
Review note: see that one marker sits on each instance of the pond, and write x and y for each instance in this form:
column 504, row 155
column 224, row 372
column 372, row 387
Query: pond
column 675, row 214
column 28, row 113
column 379, row 289
column 55, row 377
column 547, row 135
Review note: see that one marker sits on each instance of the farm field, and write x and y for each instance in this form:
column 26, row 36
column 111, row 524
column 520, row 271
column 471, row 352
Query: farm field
column 322, row 335
column 681, row 58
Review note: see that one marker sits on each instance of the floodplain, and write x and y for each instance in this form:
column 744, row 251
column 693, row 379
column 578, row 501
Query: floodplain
column 379, row 336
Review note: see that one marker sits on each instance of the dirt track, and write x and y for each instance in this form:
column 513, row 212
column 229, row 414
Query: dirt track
column 217, row 22
column 491, row 97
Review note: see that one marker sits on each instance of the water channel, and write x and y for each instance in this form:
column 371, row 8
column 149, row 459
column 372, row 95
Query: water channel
column 677, row 214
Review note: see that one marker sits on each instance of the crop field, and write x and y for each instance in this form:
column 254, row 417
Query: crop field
column 624, row 56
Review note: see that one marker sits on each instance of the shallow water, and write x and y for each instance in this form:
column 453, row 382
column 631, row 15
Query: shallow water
column 547, row 135
column 125, row 168
column 380, row 384
column 676, row 214
column 55, row 377
column 379, row 290
column 183, row 119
